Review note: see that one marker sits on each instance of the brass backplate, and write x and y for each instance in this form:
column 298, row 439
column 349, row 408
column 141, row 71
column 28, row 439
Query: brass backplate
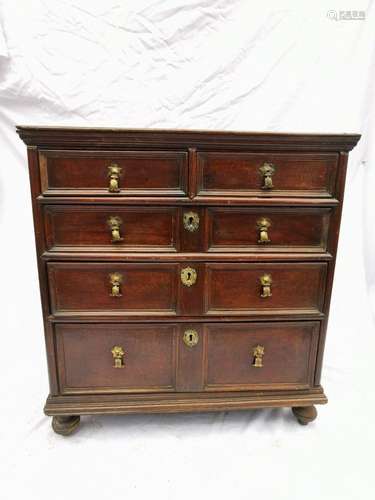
column 188, row 276
column 191, row 338
column 191, row 221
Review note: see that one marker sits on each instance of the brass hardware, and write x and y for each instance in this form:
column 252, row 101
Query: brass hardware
column 191, row 338
column 114, row 172
column 263, row 226
column 118, row 354
column 115, row 280
column 267, row 170
column 188, row 276
column 191, row 221
column 258, row 353
column 266, row 282
column 114, row 223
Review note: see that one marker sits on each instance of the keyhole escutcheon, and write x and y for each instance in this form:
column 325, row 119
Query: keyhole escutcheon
column 191, row 338
column 188, row 276
column 191, row 221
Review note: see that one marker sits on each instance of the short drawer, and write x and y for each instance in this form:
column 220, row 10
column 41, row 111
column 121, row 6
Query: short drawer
column 112, row 289
column 117, row 229
column 266, row 174
column 265, row 288
column 260, row 355
column 115, row 358
column 285, row 230
column 113, row 173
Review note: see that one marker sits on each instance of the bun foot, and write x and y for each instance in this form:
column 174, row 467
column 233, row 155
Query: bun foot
column 65, row 425
column 305, row 414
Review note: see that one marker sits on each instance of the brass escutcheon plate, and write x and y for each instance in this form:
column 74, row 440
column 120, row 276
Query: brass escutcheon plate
column 188, row 276
column 191, row 338
column 191, row 221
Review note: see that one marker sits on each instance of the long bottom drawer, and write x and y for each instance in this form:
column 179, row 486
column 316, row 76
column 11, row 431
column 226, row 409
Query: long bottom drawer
column 122, row 358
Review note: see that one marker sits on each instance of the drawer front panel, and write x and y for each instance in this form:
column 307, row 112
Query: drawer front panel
column 186, row 289
column 284, row 230
column 286, row 288
column 261, row 355
column 292, row 174
column 114, row 289
column 140, row 358
column 118, row 229
column 146, row 173
column 145, row 358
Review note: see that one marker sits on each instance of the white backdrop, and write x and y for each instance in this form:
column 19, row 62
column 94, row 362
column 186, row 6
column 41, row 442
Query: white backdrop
column 214, row 64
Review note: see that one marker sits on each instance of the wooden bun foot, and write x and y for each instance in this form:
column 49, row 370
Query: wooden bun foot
column 65, row 425
column 305, row 414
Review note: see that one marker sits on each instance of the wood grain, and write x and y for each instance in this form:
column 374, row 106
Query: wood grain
column 85, row 362
column 288, row 361
column 236, row 289
column 73, row 228
column 86, row 173
column 165, row 174
column 238, row 174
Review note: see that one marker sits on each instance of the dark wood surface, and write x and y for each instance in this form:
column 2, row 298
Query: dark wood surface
column 144, row 173
column 85, row 362
column 85, row 228
column 165, row 174
column 77, row 227
column 154, row 360
column 86, row 288
column 236, row 288
column 291, row 230
column 288, row 361
column 237, row 174
column 130, row 139
column 156, row 289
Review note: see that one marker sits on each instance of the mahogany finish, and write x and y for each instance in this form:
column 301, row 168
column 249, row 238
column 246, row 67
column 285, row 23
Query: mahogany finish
column 289, row 355
column 152, row 280
column 86, row 288
column 236, row 288
column 237, row 174
column 158, row 229
column 156, row 289
column 144, row 173
column 85, row 362
column 76, row 227
column 291, row 230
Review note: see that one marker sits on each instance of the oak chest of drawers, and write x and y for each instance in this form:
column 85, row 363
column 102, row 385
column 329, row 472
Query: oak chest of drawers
column 184, row 270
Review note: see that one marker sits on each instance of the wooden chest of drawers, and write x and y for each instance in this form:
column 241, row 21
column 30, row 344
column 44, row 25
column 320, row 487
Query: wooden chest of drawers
column 184, row 270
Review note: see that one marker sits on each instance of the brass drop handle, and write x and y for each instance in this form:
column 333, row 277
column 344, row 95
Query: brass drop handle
column 191, row 221
column 266, row 282
column 118, row 354
column 115, row 280
column 267, row 170
column 257, row 355
column 263, row 226
column 114, row 223
column 114, row 172
column 188, row 276
column 190, row 338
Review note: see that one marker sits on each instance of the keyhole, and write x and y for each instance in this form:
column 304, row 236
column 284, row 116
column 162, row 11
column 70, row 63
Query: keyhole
column 191, row 221
column 189, row 276
column 190, row 338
